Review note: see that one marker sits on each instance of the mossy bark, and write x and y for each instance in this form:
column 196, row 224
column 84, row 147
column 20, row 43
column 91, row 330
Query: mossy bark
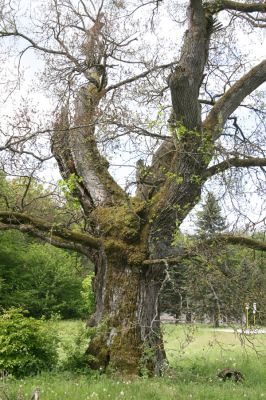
column 128, row 339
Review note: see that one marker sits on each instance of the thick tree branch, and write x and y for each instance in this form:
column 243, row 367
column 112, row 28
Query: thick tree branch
column 182, row 157
column 237, row 6
column 39, row 228
column 60, row 146
column 171, row 260
column 77, row 153
column 51, row 239
column 229, row 102
column 235, row 162
column 239, row 240
column 228, row 239
column 188, row 75
column 89, row 163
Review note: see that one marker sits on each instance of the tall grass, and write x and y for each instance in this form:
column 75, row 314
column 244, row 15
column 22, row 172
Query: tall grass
column 195, row 355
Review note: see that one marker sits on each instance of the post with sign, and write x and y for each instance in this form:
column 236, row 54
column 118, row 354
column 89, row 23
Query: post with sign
column 247, row 308
column 254, row 313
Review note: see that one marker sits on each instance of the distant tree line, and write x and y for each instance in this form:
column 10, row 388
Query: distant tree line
column 217, row 283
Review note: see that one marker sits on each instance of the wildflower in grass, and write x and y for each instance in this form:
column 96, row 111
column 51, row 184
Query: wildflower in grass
column 122, row 393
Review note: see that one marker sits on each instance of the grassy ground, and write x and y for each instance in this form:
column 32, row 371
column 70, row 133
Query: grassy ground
column 195, row 354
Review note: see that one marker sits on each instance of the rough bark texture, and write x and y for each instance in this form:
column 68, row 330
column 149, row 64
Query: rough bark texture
column 129, row 338
column 237, row 6
column 228, row 103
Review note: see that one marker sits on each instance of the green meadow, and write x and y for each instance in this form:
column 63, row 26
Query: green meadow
column 195, row 353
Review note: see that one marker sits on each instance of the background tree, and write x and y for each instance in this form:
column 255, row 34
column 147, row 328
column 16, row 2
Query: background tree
column 107, row 87
column 210, row 220
column 209, row 223
column 174, row 296
column 41, row 279
column 221, row 285
column 215, row 284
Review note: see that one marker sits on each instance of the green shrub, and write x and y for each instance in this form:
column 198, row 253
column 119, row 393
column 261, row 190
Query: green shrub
column 77, row 360
column 87, row 295
column 27, row 345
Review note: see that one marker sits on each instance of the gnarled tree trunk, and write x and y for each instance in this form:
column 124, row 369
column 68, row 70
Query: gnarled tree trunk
column 128, row 338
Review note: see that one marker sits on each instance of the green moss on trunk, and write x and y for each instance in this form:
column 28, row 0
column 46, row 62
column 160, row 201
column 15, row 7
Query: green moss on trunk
column 127, row 313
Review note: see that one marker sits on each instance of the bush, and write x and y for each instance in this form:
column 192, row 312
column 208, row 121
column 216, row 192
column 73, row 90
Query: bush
column 77, row 360
column 88, row 296
column 27, row 345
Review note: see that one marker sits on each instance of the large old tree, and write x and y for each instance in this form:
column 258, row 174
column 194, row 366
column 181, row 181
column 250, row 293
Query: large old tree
column 107, row 88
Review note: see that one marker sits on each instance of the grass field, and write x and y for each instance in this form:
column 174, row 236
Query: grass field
column 195, row 355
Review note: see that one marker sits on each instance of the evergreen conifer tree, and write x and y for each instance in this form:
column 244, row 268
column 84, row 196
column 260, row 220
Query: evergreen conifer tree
column 210, row 220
